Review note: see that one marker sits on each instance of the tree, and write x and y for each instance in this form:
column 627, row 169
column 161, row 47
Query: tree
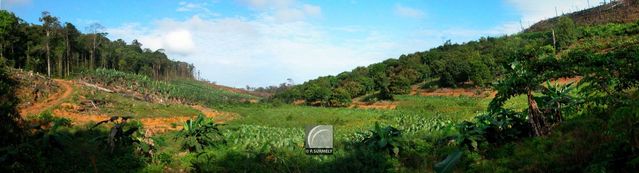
column 51, row 25
column 382, row 82
column 566, row 32
column 8, row 22
column 480, row 74
column 317, row 95
column 95, row 29
column 533, row 68
column 71, row 35
column 339, row 98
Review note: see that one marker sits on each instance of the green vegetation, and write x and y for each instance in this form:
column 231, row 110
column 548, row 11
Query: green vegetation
column 116, row 105
column 60, row 50
column 164, row 91
column 200, row 133
column 531, row 125
column 476, row 63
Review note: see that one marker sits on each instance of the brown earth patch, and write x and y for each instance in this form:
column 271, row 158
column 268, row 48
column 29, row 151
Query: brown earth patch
column 53, row 100
column 564, row 81
column 153, row 125
column 374, row 105
column 455, row 92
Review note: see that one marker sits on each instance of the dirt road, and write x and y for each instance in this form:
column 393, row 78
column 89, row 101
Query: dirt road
column 54, row 99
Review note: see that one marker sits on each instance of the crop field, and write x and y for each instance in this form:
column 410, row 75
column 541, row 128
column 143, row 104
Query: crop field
column 270, row 137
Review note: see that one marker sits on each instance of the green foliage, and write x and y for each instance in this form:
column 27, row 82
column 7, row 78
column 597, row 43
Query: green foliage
column 566, row 32
column 476, row 63
column 494, row 128
column 54, row 144
column 179, row 89
column 200, row 133
column 60, row 50
column 339, row 98
column 386, row 139
column 10, row 131
column 124, row 133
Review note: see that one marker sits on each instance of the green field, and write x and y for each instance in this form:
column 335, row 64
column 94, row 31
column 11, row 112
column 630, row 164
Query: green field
column 266, row 130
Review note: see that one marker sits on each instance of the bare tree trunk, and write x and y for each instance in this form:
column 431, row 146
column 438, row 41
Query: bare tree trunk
column 48, row 57
column 93, row 51
column 68, row 55
column 535, row 118
column 558, row 114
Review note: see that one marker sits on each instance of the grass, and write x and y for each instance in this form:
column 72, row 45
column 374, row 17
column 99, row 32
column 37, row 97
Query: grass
column 348, row 120
column 455, row 108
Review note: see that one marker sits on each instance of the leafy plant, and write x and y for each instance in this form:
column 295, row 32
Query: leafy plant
column 557, row 99
column 46, row 129
column 384, row 139
column 200, row 133
column 122, row 133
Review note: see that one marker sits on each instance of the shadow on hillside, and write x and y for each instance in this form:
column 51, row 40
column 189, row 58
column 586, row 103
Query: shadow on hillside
column 352, row 161
column 69, row 149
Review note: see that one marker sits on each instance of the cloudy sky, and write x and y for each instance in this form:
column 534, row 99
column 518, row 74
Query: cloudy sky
column 264, row 42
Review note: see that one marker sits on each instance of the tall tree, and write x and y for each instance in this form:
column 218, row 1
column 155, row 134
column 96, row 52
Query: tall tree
column 95, row 29
column 71, row 35
column 50, row 24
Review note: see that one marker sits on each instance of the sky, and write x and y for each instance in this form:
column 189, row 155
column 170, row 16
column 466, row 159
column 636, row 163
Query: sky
column 265, row 42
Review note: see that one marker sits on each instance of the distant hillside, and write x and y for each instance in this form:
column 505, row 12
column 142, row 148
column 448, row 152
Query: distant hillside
column 476, row 63
column 621, row 11
column 240, row 91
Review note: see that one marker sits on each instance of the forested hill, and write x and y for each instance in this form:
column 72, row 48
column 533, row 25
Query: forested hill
column 59, row 49
column 477, row 63
column 620, row 11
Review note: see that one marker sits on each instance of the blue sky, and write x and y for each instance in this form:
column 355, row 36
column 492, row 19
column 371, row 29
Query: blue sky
column 264, row 42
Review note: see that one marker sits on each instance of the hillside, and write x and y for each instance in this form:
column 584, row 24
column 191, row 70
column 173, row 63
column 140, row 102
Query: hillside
column 527, row 102
column 621, row 11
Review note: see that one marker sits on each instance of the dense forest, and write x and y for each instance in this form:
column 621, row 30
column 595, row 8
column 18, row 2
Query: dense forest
column 59, row 49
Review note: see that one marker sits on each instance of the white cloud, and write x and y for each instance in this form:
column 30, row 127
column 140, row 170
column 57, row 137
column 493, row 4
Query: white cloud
column 534, row 11
column 175, row 40
column 237, row 51
column 284, row 10
column 179, row 41
column 266, row 4
column 404, row 11
column 200, row 9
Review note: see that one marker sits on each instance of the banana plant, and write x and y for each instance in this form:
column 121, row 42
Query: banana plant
column 121, row 133
column 384, row 139
column 199, row 133
column 557, row 99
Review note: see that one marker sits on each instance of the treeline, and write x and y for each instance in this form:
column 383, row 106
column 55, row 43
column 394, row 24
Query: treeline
column 59, row 49
column 475, row 63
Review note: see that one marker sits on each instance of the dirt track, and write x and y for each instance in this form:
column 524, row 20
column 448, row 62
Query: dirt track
column 153, row 124
column 55, row 99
